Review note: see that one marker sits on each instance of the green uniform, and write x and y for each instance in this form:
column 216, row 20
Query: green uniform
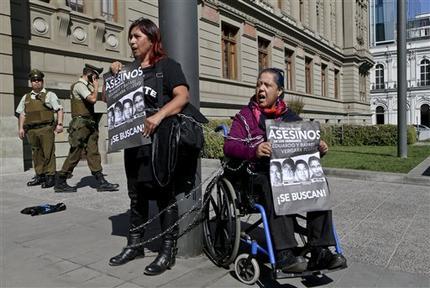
column 38, row 109
column 83, row 130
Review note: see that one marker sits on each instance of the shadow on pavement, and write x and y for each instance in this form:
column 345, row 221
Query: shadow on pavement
column 120, row 226
column 89, row 181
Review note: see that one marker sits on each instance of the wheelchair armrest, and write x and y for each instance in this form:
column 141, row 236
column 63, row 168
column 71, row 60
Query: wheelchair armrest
column 223, row 128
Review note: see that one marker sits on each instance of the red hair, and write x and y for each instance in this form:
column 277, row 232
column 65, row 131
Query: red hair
column 151, row 30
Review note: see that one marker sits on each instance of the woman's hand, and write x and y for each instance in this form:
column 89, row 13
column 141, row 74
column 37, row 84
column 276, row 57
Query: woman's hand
column 115, row 67
column 323, row 148
column 151, row 123
column 264, row 150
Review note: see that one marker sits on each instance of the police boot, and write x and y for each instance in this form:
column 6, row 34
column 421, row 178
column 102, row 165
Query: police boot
column 165, row 259
column 50, row 181
column 104, row 185
column 128, row 254
column 62, row 186
column 167, row 255
column 37, row 180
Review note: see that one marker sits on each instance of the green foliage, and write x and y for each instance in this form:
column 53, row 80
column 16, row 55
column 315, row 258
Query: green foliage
column 359, row 135
column 296, row 105
column 214, row 141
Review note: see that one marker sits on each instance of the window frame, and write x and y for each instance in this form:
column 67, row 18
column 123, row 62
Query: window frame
column 425, row 72
column 324, row 90
column 308, row 75
column 229, row 65
column 289, row 68
column 379, row 75
column 75, row 5
column 263, row 53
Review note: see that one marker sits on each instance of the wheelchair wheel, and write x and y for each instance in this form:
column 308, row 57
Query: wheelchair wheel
column 221, row 225
column 247, row 270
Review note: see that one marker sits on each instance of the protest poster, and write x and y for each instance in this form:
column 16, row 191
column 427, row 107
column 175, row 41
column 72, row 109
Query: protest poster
column 125, row 107
column 297, row 179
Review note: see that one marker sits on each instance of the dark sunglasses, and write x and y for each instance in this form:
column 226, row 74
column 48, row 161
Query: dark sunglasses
column 36, row 79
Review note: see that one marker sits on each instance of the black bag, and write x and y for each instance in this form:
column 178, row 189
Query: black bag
column 190, row 133
column 190, row 119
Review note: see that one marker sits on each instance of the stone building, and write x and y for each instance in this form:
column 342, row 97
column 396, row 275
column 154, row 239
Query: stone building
column 383, row 93
column 321, row 45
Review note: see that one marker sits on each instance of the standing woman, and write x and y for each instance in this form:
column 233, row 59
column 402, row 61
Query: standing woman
column 145, row 42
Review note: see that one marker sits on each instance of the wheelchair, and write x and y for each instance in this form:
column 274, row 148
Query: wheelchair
column 227, row 198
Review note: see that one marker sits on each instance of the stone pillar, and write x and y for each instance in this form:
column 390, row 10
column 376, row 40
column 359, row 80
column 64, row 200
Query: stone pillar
column 312, row 15
column 11, row 148
column 339, row 23
column 295, row 10
column 327, row 17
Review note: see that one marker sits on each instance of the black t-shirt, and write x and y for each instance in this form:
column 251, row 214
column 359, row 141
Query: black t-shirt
column 172, row 77
column 138, row 160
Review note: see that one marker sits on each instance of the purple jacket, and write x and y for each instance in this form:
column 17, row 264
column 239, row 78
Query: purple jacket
column 246, row 150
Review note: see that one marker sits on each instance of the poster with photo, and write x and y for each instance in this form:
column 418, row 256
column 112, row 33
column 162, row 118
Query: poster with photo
column 125, row 107
column 297, row 178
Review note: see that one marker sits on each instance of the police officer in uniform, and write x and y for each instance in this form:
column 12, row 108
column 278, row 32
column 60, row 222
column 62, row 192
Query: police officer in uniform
column 83, row 132
column 36, row 120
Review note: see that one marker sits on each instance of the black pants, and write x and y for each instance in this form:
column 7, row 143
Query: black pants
column 319, row 223
column 140, row 193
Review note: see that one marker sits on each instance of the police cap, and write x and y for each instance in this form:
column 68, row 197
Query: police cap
column 96, row 70
column 36, row 74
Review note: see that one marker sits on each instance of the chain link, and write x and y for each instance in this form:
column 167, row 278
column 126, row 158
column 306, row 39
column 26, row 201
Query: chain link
column 199, row 203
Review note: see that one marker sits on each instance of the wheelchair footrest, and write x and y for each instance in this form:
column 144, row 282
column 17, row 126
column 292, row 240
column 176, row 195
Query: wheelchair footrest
column 278, row 274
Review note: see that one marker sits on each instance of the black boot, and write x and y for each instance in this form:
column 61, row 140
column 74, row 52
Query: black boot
column 167, row 254
column 62, row 186
column 165, row 259
column 128, row 254
column 37, row 180
column 50, row 181
column 289, row 263
column 322, row 258
column 104, row 185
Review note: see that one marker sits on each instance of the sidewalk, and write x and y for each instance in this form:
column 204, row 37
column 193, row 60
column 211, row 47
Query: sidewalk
column 383, row 226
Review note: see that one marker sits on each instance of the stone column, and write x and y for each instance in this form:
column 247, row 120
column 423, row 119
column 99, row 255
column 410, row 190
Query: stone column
column 11, row 148
column 339, row 23
column 312, row 15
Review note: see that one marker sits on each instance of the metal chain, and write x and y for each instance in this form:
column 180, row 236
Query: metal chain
column 195, row 221
column 199, row 204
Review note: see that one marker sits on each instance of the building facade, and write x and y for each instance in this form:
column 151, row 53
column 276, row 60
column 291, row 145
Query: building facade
column 321, row 45
column 383, row 91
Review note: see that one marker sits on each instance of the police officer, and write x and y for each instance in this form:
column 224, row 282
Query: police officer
column 36, row 120
column 83, row 132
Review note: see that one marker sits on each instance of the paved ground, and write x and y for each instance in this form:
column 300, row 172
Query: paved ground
column 384, row 229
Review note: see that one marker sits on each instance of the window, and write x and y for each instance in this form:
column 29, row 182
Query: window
column 308, row 75
column 109, row 9
column 425, row 114
column 263, row 53
column 323, row 80
column 425, row 72
column 336, row 84
column 379, row 77
column 363, row 87
column 289, row 69
column 229, row 51
column 76, row 5
column 380, row 115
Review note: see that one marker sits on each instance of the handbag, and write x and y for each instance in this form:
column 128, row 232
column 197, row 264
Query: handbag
column 190, row 119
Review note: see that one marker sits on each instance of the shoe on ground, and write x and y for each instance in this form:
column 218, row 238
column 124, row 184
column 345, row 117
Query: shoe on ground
column 323, row 258
column 37, row 180
column 289, row 263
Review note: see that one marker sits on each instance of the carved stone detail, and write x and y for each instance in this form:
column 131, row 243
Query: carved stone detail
column 40, row 25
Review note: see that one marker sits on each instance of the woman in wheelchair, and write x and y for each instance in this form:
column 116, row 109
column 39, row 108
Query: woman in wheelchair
column 249, row 123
